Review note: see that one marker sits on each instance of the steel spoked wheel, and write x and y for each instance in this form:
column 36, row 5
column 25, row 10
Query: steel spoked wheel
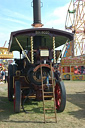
column 60, row 96
column 17, row 98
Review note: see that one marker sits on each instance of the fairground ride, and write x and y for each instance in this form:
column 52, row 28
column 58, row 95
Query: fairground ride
column 75, row 21
column 73, row 61
column 4, row 53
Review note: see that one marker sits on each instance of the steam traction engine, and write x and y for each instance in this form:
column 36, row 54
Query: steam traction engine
column 37, row 49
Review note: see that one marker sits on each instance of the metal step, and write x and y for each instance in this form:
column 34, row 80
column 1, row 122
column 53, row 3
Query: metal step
column 49, row 108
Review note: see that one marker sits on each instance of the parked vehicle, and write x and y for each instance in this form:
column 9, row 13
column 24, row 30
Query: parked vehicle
column 37, row 49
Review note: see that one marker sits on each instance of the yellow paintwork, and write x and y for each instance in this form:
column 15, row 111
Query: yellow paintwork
column 5, row 54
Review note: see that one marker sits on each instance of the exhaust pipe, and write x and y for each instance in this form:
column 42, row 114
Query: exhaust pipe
column 37, row 13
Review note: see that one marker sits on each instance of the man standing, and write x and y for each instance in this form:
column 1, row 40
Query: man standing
column 6, row 76
column 2, row 74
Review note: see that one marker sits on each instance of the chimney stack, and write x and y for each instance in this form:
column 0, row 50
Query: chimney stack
column 37, row 13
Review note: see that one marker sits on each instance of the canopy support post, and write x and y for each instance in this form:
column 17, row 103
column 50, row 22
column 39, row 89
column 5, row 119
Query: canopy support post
column 32, row 56
column 22, row 49
column 54, row 56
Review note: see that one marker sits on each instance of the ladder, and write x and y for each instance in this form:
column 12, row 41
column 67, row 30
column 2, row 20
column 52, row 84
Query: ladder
column 46, row 95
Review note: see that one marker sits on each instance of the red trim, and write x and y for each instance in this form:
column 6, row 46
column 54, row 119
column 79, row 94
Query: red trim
column 57, row 96
column 42, row 65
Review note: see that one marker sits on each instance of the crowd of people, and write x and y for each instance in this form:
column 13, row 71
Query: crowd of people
column 3, row 75
column 79, row 70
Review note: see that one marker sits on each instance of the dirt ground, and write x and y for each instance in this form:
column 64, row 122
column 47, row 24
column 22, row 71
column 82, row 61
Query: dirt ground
column 72, row 117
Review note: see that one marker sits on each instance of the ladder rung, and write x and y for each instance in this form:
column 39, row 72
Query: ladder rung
column 48, row 96
column 48, row 84
column 48, row 92
column 43, row 77
column 49, row 108
column 48, row 100
column 50, row 78
column 50, row 117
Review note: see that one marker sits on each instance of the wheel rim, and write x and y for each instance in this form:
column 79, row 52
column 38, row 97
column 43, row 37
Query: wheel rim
column 14, row 97
column 10, row 85
column 57, row 96
column 17, row 96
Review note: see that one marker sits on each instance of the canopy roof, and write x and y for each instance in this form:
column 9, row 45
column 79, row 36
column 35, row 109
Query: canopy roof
column 24, row 37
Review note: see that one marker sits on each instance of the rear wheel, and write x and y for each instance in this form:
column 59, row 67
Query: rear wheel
column 14, row 69
column 17, row 98
column 11, row 72
column 10, row 82
column 60, row 96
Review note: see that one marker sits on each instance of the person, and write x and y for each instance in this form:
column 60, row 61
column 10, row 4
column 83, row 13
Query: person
column 84, row 71
column 77, row 71
column 2, row 74
column 6, row 76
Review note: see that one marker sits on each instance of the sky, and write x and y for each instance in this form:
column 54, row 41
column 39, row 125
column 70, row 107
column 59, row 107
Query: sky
column 18, row 14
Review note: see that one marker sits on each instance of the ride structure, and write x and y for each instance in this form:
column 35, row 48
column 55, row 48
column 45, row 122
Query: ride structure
column 75, row 22
column 33, row 74
column 73, row 68
column 4, row 53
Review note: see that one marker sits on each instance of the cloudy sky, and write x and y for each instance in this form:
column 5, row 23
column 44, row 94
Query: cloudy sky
column 18, row 14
